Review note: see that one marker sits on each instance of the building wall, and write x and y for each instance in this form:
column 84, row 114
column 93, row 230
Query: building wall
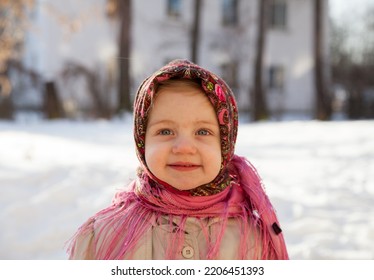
column 169, row 38
column 66, row 31
column 156, row 37
column 292, row 48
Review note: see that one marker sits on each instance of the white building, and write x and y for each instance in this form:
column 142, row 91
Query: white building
column 80, row 31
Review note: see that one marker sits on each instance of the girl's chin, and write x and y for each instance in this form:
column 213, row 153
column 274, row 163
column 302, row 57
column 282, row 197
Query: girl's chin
column 185, row 184
column 185, row 187
column 182, row 186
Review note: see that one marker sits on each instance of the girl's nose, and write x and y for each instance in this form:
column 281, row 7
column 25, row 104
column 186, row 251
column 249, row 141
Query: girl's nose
column 184, row 145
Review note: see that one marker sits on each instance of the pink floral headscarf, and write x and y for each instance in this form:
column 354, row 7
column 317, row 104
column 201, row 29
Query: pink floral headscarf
column 220, row 96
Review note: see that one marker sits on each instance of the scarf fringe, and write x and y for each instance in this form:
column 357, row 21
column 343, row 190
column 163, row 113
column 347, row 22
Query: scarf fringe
column 133, row 213
column 263, row 214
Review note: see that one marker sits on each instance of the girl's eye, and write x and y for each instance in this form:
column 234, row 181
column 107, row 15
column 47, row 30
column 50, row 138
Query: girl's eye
column 165, row 132
column 203, row 132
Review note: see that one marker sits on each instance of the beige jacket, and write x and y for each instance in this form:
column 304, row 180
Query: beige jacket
column 153, row 244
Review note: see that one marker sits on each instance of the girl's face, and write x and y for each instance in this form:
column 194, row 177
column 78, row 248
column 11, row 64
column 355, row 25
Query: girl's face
column 182, row 142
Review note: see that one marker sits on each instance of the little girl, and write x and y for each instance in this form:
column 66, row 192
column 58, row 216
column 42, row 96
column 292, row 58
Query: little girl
column 193, row 198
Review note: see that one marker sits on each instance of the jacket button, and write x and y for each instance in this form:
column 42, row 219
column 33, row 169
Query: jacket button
column 187, row 252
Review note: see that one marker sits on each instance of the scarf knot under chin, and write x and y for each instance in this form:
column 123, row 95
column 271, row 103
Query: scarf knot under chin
column 173, row 202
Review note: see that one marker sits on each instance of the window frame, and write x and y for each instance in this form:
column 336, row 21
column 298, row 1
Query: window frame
column 276, row 77
column 230, row 12
column 174, row 8
column 278, row 14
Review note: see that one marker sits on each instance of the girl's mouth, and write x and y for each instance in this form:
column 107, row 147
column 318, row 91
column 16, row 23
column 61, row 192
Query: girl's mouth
column 184, row 166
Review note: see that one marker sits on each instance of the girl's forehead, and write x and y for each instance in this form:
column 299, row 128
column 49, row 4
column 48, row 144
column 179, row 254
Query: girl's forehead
column 180, row 91
column 171, row 101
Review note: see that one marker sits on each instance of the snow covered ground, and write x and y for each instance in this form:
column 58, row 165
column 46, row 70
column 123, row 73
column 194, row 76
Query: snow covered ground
column 319, row 175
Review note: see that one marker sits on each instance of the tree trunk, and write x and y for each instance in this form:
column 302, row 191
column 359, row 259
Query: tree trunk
column 6, row 107
column 6, row 101
column 52, row 103
column 124, row 100
column 323, row 100
column 195, row 34
column 259, row 109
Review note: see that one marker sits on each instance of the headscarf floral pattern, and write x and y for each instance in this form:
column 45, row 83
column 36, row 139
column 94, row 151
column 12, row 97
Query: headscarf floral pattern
column 220, row 96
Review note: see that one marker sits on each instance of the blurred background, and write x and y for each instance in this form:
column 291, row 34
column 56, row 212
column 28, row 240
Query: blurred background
column 302, row 72
column 85, row 59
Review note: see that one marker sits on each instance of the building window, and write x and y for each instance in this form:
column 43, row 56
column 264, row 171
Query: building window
column 174, row 8
column 276, row 77
column 278, row 14
column 230, row 12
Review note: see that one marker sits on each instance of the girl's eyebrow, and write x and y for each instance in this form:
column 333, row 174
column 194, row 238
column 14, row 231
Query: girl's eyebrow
column 160, row 122
column 202, row 122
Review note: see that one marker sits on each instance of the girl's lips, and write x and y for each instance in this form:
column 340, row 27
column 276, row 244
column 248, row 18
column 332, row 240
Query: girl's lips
column 184, row 166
